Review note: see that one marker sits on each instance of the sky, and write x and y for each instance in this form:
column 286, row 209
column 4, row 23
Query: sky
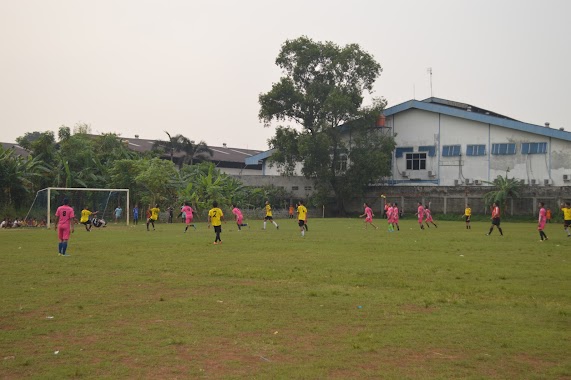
column 143, row 67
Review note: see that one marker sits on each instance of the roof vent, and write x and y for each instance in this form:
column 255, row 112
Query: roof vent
column 136, row 136
column 546, row 124
column 224, row 145
column 561, row 129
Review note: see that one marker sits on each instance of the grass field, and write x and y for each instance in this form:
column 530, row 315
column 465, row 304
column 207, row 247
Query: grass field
column 341, row 303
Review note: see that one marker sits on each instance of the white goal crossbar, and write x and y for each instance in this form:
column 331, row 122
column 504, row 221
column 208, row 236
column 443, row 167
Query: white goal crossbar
column 49, row 189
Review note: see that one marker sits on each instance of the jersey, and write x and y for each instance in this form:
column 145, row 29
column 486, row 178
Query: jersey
column 155, row 213
column 215, row 214
column 84, row 216
column 236, row 211
column 566, row 213
column 268, row 210
column 495, row 212
column 468, row 211
column 65, row 214
column 301, row 212
column 420, row 212
column 542, row 216
column 368, row 213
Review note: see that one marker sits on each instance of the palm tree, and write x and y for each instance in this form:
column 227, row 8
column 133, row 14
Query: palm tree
column 172, row 145
column 194, row 151
column 504, row 188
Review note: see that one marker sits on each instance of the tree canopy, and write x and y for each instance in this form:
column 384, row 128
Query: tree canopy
column 322, row 90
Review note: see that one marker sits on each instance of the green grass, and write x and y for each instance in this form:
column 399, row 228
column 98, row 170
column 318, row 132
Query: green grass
column 341, row 303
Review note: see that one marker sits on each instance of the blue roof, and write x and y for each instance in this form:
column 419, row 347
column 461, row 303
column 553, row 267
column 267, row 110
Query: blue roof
column 464, row 111
column 255, row 160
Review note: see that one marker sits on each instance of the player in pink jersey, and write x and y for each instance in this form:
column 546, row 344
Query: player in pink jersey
column 541, row 221
column 420, row 214
column 368, row 214
column 396, row 216
column 64, row 224
column 390, row 217
column 187, row 211
column 428, row 217
column 239, row 217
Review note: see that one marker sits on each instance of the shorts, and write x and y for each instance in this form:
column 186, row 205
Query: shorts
column 467, row 219
column 496, row 222
column 63, row 232
column 217, row 229
column 87, row 223
column 268, row 217
column 301, row 223
column 239, row 220
column 188, row 220
column 368, row 220
column 420, row 220
column 566, row 223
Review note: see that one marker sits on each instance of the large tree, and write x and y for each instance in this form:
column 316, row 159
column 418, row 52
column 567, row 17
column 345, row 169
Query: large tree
column 322, row 90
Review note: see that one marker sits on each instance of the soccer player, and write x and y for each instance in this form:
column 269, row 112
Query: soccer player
column 566, row 208
column 154, row 216
column 269, row 216
column 467, row 216
column 239, row 217
column 290, row 213
column 420, row 214
column 548, row 215
column 118, row 213
column 301, row 217
column 390, row 217
column 188, row 214
column 368, row 214
column 136, row 214
column 215, row 218
column 541, row 221
column 64, row 224
column 86, row 219
column 495, row 219
column 428, row 216
column 396, row 216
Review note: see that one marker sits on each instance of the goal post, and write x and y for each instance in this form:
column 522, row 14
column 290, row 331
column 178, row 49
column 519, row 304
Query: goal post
column 55, row 195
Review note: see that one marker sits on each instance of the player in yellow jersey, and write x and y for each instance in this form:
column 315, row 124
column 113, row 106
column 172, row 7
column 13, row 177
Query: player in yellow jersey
column 269, row 216
column 467, row 215
column 154, row 216
column 86, row 219
column 215, row 218
column 566, row 208
column 301, row 217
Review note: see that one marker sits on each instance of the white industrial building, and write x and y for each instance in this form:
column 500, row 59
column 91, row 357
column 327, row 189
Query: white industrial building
column 447, row 143
column 441, row 142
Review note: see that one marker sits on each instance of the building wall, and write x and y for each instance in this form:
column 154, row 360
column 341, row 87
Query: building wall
column 415, row 128
column 299, row 187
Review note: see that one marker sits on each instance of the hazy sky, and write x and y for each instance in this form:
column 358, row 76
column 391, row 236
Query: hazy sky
column 140, row 67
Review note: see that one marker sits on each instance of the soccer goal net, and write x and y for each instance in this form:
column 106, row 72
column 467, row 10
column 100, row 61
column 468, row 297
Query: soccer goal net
column 108, row 203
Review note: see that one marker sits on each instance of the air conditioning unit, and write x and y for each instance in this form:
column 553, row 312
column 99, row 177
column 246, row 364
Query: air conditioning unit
column 477, row 182
column 468, row 181
column 404, row 174
column 533, row 182
column 456, row 182
column 431, row 173
column 566, row 177
column 547, row 182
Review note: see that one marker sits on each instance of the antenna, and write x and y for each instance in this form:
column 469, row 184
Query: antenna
column 429, row 71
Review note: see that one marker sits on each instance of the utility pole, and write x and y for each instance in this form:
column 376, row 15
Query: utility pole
column 429, row 71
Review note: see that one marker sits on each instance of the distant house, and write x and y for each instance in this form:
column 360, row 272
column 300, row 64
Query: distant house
column 17, row 149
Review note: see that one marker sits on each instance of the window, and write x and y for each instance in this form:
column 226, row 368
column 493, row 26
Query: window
column 400, row 151
column 475, row 150
column 430, row 150
column 416, row 161
column 308, row 188
column 294, row 188
column 503, row 149
column 533, row 148
column 450, row 150
column 342, row 163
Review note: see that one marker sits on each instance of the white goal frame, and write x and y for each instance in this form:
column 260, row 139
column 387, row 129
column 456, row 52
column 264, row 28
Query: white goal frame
column 49, row 190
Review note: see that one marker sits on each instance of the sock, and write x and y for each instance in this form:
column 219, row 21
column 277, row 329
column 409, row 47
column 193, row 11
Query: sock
column 306, row 228
column 275, row 224
column 398, row 228
column 501, row 232
column 491, row 229
column 186, row 228
column 63, row 247
column 264, row 225
column 59, row 247
column 303, row 232
column 541, row 235
column 239, row 227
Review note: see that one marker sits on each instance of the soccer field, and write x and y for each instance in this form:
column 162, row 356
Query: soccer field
column 341, row 303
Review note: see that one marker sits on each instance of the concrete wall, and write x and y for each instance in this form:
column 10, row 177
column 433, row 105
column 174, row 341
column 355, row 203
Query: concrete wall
column 299, row 187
